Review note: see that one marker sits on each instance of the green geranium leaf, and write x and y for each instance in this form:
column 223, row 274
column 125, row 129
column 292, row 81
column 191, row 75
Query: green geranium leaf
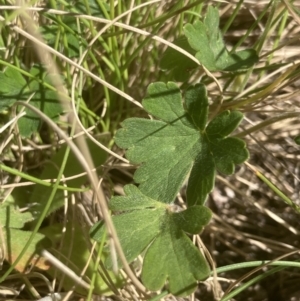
column 15, row 88
column 179, row 143
column 146, row 224
column 206, row 39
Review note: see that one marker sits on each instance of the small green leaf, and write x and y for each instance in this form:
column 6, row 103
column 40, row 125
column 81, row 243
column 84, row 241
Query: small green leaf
column 143, row 223
column 206, row 39
column 180, row 142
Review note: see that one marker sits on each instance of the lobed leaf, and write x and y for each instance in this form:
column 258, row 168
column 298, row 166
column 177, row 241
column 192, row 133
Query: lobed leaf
column 179, row 143
column 173, row 257
column 206, row 39
column 146, row 224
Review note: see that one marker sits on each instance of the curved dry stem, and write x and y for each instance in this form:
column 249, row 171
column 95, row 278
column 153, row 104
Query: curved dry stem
column 82, row 155
column 99, row 193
